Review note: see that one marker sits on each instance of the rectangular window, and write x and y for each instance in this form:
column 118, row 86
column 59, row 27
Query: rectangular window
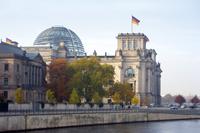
column 135, row 44
column 129, row 44
column 6, row 67
column 5, row 94
column 123, row 44
column 26, row 74
column 131, row 85
column 17, row 67
column 5, row 82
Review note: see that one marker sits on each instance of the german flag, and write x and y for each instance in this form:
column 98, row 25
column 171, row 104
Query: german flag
column 135, row 20
column 9, row 41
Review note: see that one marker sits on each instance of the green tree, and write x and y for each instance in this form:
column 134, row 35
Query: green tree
column 89, row 76
column 74, row 97
column 124, row 90
column 19, row 95
column 135, row 100
column 96, row 98
column 107, row 74
column 116, row 98
column 50, row 96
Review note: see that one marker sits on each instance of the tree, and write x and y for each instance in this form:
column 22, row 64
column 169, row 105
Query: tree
column 116, row 98
column 180, row 99
column 168, row 99
column 135, row 100
column 89, row 76
column 96, row 98
column 50, row 96
column 195, row 99
column 124, row 90
column 19, row 95
column 58, row 79
column 107, row 74
column 74, row 97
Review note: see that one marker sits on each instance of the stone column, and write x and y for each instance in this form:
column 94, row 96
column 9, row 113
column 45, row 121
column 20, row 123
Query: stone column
column 31, row 76
column 158, row 90
column 148, row 80
column 143, row 78
column 121, row 74
column 26, row 75
column 138, row 79
column 39, row 74
column 143, row 86
column 36, row 75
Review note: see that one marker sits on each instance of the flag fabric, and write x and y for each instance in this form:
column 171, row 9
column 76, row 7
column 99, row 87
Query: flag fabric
column 9, row 41
column 135, row 20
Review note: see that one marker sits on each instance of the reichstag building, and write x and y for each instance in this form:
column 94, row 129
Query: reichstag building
column 132, row 61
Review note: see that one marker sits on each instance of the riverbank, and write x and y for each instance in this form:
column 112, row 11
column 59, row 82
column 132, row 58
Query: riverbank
column 45, row 121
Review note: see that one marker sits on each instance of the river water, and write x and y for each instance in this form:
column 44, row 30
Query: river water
column 183, row 126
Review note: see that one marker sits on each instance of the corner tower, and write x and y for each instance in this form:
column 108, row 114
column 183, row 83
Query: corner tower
column 131, row 41
column 138, row 67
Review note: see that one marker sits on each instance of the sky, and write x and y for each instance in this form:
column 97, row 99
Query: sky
column 172, row 26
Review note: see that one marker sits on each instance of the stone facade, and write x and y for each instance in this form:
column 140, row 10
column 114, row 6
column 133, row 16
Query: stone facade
column 48, row 52
column 137, row 65
column 19, row 69
column 133, row 63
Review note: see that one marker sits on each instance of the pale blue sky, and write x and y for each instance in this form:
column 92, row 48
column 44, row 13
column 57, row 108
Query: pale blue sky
column 173, row 27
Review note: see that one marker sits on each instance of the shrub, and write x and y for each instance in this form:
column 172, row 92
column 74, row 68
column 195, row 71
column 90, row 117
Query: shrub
column 19, row 95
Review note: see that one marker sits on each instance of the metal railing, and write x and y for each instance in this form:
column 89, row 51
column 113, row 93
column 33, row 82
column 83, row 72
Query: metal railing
column 100, row 110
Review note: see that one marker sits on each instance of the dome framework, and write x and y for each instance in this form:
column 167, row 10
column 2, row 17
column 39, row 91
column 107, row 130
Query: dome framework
column 56, row 36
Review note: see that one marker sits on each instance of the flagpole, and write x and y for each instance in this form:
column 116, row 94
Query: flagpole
column 131, row 25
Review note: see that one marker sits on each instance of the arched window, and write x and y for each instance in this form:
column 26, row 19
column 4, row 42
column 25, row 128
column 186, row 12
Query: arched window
column 135, row 44
column 129, row 72
column 129, row 44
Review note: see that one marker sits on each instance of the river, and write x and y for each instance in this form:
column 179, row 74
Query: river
column 182, row 126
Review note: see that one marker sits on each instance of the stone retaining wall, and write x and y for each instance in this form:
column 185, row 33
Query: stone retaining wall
column 14, row 123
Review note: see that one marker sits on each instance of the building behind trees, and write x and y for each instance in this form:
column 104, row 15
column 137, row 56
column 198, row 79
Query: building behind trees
column 133, row 62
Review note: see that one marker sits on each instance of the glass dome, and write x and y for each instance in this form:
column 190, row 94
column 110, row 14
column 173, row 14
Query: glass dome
column 55, row 36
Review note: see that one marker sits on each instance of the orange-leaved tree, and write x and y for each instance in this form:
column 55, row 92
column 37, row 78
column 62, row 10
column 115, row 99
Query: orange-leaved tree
column 195, row 99
column 58, row 79
column 180, row 99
